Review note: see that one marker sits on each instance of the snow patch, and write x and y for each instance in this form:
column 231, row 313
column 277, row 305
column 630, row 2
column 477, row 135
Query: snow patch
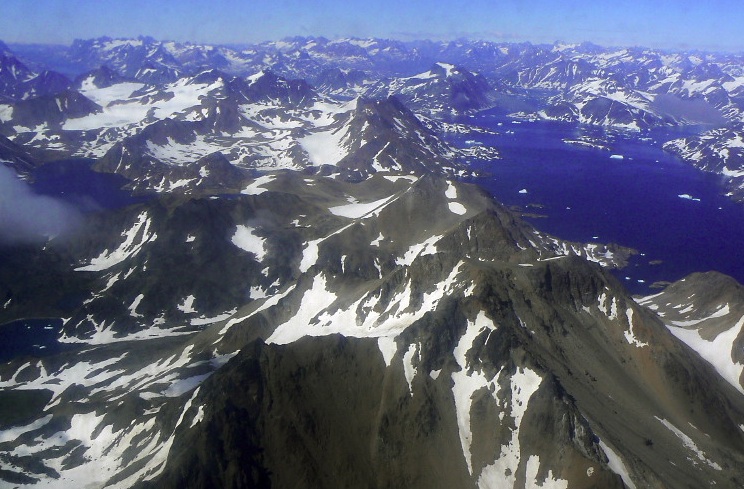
column 616, row 464
column 202, row 321
column 199, row 416
column 11, row 434
column 502, row 473
column 187, row 306
column 133, row 306
column 408, row 368
column 451, row 192
column 134, row 239
column 467, row 383
column 377, row 240
column 388, row 348
column 457, row 208
column 257, row 186
column 311, row 250
column 717, row 352
column 428, row 247
column 317, row 298
column 688, row 443
column 183, row 386
column 629, row 335
column 357, row 210
column 246, row 239
column 395, row 178
column 531, row 470
column 723, row 311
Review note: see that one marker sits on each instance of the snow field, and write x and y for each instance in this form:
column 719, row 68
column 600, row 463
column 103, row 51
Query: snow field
column 326, row 147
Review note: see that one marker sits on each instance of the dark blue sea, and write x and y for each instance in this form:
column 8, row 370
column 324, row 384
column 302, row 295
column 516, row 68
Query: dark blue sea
column 588, row 196
column 32, row 337
column 74, row 181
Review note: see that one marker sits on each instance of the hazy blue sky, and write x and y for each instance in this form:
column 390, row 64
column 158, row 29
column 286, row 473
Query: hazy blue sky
column 706, row 24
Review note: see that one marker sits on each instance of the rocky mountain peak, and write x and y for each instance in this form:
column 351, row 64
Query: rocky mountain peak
column 102, row 77
column 267, row 86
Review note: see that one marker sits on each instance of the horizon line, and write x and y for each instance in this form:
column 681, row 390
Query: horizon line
column 411, row 39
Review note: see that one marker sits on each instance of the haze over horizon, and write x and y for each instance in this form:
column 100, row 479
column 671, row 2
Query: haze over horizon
column 713, row 26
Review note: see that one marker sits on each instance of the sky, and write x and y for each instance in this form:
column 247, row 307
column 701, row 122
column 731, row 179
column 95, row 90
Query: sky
column 713, row 25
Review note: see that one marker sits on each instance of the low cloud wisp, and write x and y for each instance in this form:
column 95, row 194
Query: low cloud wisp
column 28, row 217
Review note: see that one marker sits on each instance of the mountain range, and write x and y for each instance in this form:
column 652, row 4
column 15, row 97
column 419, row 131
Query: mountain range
column 633, row 89
column 300, row 291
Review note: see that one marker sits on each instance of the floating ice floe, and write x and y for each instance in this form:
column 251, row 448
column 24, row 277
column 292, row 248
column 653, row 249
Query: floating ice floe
column 688, row 197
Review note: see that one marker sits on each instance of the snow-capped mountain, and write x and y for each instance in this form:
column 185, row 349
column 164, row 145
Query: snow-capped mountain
column 35, row 116
column 634, row 74
column 704, row 310
column 102, row 77
column 303, row 294
column 442, row 90
column 18, row 82
column 718, row 151
column 342, row 83
column 355, row 139
column 162, row 136
column 342, row 315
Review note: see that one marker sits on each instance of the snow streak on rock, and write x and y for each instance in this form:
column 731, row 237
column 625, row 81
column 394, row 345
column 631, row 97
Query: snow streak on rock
column 134, row 239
